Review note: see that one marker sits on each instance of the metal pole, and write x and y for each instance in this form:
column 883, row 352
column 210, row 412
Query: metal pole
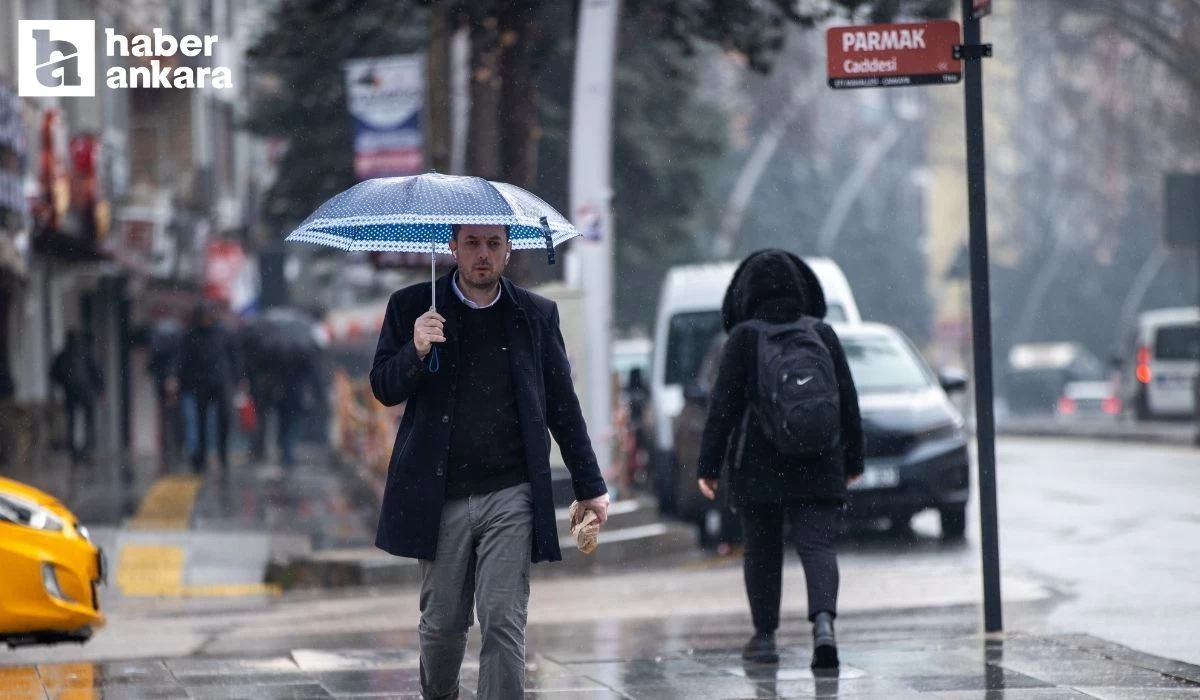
column 981, row 325
column 590, row 189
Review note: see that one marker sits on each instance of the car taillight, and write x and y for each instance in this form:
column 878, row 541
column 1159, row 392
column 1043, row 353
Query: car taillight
column 1066, row 406
column 1143, row 365
column 1111, row 405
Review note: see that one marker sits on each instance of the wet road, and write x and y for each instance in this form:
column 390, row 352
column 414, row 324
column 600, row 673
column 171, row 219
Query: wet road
column 1117, row 527
column 1097, row 538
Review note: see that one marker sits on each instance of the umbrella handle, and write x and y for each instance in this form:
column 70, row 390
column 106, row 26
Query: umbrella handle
column 549, row 240
column 434, row 363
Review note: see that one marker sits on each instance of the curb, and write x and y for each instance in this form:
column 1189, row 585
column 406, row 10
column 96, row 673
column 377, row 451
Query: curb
column 1184, row 436
column 638, row 536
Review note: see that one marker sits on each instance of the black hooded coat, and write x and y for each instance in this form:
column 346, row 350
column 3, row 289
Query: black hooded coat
column 777, row 287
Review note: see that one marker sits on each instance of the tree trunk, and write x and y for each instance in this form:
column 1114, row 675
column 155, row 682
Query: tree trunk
column 438, row 129
column 508, row 48
column 483, row 131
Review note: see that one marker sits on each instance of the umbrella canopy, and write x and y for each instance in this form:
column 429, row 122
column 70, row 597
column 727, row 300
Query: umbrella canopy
column 415, row 214
column 281, row 333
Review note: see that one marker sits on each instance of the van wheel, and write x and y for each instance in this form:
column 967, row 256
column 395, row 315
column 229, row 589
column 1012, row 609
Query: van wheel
column 954, row 522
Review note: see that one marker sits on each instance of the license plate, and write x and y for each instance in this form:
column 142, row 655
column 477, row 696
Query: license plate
column 102, row 567
column 877, row 478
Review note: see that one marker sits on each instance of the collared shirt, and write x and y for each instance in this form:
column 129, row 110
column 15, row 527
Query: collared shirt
column 470, row 304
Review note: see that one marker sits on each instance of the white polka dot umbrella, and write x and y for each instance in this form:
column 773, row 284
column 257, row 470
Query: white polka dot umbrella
column 415, row 214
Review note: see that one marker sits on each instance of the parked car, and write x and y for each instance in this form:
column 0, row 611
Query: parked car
column 1164, row 364
column 916, row 448
column 52, row 570
column 688, row 317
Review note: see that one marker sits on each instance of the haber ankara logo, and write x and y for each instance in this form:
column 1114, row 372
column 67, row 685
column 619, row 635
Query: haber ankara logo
column 889, row 55
column 56, row 58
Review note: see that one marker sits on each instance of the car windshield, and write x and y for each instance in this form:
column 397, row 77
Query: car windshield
column 1177, row 343
column 884, row 365
column 688, row 340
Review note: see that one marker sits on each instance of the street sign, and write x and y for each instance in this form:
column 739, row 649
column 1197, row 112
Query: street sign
column 980, row 8
column 893, row 55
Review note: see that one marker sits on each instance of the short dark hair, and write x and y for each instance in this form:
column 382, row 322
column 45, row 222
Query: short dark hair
column 454, row 228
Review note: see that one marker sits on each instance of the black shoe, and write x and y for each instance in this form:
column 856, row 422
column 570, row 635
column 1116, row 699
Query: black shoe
column 761, row 649
column 825, row 653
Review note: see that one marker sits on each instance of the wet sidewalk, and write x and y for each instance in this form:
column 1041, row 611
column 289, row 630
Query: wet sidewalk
column 885, row 657
column 101, row 494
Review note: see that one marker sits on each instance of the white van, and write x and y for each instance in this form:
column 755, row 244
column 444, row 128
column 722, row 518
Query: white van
column 1166, row 361
column 689, row 317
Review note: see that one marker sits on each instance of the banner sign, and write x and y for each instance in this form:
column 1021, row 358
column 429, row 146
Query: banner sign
column 386, row 97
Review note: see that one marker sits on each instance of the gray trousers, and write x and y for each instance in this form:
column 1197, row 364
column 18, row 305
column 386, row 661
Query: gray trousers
column 483, row 552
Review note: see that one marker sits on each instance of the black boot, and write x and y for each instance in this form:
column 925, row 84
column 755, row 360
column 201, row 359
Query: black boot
column 761, row 649
column 825, row 653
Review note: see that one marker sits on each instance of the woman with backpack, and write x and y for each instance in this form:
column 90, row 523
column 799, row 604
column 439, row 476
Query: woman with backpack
column 784, row 416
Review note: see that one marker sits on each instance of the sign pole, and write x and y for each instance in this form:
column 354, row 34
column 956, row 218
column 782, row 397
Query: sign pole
column 981, row 315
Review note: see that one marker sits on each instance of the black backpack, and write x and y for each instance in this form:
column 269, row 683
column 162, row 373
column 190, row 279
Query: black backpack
column 797, row 402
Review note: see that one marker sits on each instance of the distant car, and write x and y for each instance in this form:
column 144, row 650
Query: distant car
column 629, row 354
column 1088, row 400
column 1037, row 373
column 916, row 448
column 1165, row 364
column 51, row 570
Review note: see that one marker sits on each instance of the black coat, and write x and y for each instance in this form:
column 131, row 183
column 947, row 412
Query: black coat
column 209, row 361
column 78, row 372
column 416, row 481
column 777, row 288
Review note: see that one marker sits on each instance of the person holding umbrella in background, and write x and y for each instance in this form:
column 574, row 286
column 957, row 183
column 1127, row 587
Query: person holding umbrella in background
column 484, row 375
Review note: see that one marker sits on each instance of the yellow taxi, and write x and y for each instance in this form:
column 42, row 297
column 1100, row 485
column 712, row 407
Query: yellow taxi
column 49, row 570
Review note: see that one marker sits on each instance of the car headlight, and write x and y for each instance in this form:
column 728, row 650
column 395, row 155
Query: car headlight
column 20, row 512
column 949, row 431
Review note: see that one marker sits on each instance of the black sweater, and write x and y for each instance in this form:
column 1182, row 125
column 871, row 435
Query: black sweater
column 763, row 474
column 486, row 449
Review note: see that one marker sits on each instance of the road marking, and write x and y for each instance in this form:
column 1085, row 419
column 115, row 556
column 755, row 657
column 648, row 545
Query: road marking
column 150, row 570
column 168, row 504
column 156, row 571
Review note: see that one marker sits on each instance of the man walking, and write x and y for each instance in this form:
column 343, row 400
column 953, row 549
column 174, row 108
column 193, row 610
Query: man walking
column 209, row 367
column 468, row 489
column 76, row 370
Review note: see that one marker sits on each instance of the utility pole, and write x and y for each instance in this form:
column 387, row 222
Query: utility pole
column 591, row 268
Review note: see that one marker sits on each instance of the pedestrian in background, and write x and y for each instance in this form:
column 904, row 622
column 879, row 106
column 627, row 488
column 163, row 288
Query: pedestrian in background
column 76, row 370
column 166, row 336
column 209, row 368
column 784, row 416
column 468, row 490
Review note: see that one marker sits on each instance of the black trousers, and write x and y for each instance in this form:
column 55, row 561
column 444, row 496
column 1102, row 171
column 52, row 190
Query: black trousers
column 223, row 404
column 815, row 526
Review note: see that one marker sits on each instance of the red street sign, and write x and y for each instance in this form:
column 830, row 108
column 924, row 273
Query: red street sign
column 893, row 55
column 980, row 8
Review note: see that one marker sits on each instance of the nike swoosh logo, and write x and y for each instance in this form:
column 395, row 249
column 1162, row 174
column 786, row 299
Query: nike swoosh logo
column 802, row 382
